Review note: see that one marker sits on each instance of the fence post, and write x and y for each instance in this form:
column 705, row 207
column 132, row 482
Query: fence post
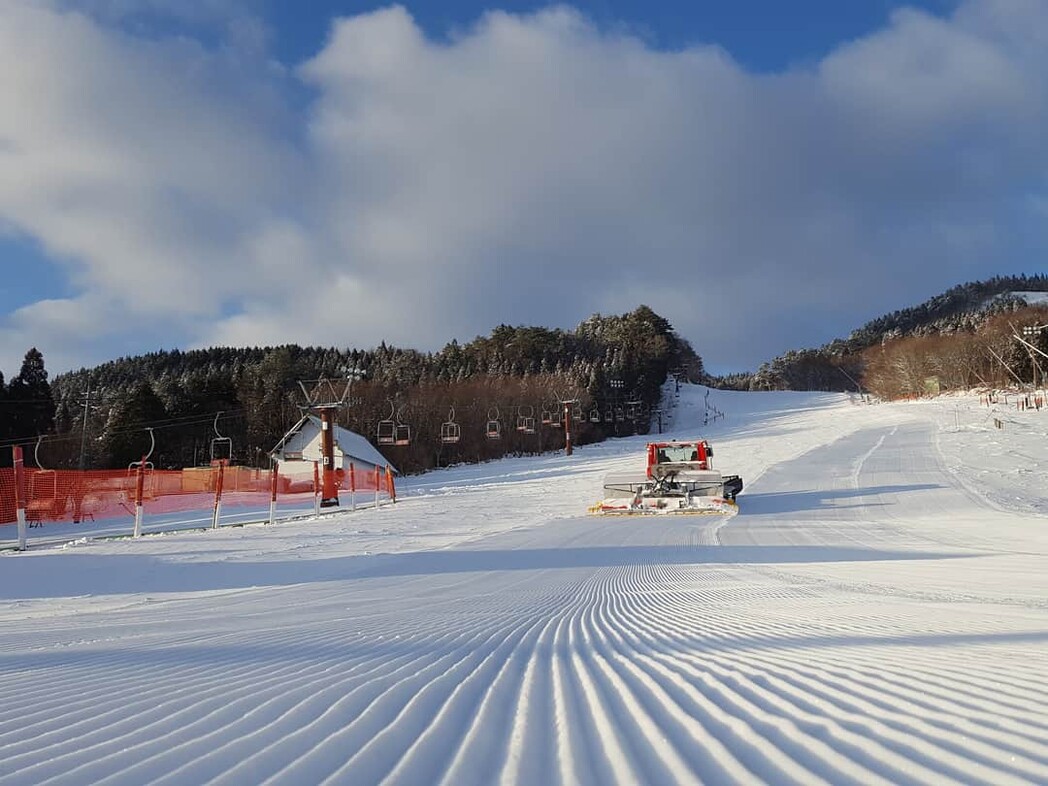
column 390, row 487
column 140, row 484
column 352, row 487
column 316, row 489
column 378, row 483
column 19, row 499
column 273, row 493
column 218, row 494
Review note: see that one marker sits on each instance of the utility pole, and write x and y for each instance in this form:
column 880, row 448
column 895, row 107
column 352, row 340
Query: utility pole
column 83, row 429
column 78, row 483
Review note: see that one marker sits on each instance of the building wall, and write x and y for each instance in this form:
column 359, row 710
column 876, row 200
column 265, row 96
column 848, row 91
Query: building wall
column 311, row 451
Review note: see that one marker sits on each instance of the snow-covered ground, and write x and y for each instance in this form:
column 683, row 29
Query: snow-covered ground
column 877, row 613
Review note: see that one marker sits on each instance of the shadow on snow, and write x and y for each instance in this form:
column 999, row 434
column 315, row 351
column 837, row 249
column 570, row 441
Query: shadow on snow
column 145, row 574
column 772, row 503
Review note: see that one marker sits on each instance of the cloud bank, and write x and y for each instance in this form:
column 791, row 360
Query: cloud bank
column 529, row 169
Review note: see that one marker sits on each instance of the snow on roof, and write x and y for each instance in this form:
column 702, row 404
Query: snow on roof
column 349, row 442
column 356, row 445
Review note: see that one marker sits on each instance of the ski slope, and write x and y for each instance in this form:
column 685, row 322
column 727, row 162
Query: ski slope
column 877, row 613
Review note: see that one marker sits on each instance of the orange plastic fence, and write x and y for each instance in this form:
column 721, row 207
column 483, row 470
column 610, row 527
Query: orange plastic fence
column 74, row 495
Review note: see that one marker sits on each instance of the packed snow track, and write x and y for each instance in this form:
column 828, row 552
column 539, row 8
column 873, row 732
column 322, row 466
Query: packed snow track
column 869, row 617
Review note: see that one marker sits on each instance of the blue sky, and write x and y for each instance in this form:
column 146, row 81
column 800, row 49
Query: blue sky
column 760, row 34
column 767, row 175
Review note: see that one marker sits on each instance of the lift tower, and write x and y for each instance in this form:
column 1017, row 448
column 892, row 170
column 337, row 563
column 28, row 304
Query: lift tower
column 324, row 397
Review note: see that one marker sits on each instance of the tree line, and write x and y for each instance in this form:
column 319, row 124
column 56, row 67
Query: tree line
column 841, row 365
column 109, row 415
column 990, row 355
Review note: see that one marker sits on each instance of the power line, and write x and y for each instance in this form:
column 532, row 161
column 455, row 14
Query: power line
column 184, row 421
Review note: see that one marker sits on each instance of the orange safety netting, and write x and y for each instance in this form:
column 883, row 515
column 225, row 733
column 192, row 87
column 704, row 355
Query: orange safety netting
column 74, row 495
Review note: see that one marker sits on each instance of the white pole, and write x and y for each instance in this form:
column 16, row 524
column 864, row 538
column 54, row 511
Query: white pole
column 21, row 529
column 138, row 520
column 273, row 493
column 19, row 469
column 316, row 489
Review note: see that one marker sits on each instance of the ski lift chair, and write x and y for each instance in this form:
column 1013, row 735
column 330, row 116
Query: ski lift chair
column 147, row 466
column 449, row 430
column 402, row 433
column 221, row 447
column 386, row 433
column 221, row 450
column 42, row 501
column 526, row 419
column 494, row 428
column 147, row 485
column 594, row 415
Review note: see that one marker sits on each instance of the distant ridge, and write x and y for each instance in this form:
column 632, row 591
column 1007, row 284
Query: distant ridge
column 959, row 308
column 838, row 365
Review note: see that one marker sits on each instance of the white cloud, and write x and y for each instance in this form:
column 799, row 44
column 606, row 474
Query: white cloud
column 531, row 169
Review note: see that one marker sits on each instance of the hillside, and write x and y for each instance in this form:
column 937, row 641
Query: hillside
column 959, row 308
column 839, row 365
column 613, row 366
